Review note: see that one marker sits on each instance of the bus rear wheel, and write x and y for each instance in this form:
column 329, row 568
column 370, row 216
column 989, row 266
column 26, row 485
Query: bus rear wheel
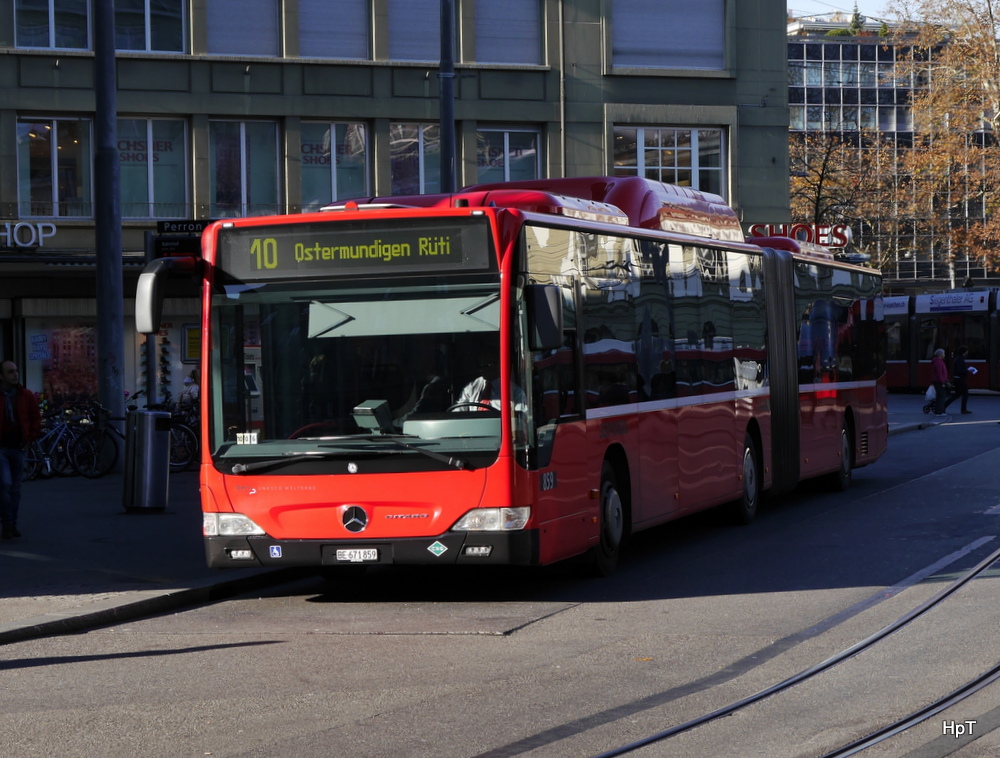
column 840, row 480
column 744, row 510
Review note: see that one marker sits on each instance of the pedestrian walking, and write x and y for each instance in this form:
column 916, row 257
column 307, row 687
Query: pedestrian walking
column 939, row 377
column 960, row 379
column 20, row 425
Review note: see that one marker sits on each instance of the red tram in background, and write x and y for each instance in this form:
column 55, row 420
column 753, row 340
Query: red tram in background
column 916, row 325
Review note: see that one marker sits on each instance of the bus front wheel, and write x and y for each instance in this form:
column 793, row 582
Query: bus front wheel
column 611, row 523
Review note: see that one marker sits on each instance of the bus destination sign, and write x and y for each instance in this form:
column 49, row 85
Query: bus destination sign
column 289, row 251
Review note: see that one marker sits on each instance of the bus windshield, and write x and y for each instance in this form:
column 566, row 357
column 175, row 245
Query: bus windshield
column 313, row 376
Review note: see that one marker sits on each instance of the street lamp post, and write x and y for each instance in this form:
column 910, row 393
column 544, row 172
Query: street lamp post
column 446, row 77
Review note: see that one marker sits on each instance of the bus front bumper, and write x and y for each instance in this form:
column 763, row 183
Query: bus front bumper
column 519, row 548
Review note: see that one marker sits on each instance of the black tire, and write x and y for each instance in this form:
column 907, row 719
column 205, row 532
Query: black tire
column 46, row 465
column 95, row 453
column 744, row 510
column 32, row 462
column 840, row 480
column 183, row 447
column 62, row 463
column 603, row 557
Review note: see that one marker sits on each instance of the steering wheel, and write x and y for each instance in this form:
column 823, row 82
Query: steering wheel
column 478, row 404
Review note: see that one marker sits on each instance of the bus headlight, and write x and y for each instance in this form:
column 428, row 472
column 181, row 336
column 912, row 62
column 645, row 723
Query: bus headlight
column 493, row 520
column 229, row 525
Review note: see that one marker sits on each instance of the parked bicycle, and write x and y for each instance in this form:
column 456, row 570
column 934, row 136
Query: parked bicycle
column 51, row 453
column 97, row 450
column 185, row 426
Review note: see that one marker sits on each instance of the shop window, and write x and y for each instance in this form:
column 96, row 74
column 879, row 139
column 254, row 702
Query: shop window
column 504, row 155
column 244, row 168
column 53, row 167
column 334, row 163
column 152, row 156
column 415, row 158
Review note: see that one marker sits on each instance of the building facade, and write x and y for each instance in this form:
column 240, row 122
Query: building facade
column 844, row 86
column 250, row 107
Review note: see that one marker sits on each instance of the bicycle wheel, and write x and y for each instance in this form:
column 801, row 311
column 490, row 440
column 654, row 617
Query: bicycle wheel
column 61, row 461
column 94, row 453
column 32, row 462
column 183, row 447
column 46, row 462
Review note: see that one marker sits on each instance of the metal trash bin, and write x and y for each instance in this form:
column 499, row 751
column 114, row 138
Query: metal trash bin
column 147, row 460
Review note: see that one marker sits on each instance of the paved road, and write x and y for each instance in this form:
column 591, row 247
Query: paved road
column 85, row 561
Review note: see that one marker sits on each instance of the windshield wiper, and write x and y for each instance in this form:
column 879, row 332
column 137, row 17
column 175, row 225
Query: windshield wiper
column 459, row 463
column 246, row 468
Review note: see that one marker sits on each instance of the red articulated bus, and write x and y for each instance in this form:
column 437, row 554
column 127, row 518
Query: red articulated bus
column 516, row 373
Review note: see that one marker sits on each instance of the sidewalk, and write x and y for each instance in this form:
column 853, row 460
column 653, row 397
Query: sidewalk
column 84, row 561
column 906, row 411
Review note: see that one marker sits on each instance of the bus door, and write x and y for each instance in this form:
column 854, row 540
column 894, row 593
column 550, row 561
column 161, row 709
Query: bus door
column 562, row 504
column 709, row 442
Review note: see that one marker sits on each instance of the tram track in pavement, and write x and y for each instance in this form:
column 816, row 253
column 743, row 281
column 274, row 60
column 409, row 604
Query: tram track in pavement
column 575, row 729
column 938, row 706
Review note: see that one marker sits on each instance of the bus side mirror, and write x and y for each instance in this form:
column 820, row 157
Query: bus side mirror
column 149, row 289
column 148, row 303
column 545, row 316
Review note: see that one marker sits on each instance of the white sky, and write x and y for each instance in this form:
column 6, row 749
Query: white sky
column 874, row 9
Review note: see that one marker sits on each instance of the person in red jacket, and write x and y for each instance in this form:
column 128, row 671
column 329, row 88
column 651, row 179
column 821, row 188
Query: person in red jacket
column 939, row 376
column 20, row 425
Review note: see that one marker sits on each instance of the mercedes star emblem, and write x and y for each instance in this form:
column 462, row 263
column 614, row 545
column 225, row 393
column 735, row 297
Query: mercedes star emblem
column 355, row 519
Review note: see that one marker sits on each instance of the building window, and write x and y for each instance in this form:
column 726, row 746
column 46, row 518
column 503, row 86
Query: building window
column 244, row 166
column 149, row 25
column 415, row 158
column 415, row 30
column 334, row 163
column 668, row 34
column 509, row 32
column 152, row 158
column 52, row 24
column 243, row 27
column 504, row 155
column 685, row 157
column 53, row 167
column 335, row 30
